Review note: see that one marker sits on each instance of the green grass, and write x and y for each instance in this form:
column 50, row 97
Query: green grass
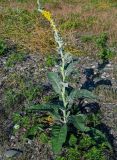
column 87, row 38
column 18, row 21
column 15, row 58
column 24, row 26
column 11, row 98
column 19, row 90
column 2, row 47
column 50, row 60
column 76, row 21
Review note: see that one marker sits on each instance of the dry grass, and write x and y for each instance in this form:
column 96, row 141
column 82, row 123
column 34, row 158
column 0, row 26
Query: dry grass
column 92, row 17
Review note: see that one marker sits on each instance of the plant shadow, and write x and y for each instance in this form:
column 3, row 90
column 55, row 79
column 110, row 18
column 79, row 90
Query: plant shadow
column 93, row 80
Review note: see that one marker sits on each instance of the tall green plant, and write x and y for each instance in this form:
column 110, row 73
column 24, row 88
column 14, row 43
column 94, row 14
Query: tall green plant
column 65, row 114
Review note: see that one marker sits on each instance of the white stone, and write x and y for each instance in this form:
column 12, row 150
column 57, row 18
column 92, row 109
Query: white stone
column 12, row 153
column 93, row 66
column 109, row 65
column 103, row 77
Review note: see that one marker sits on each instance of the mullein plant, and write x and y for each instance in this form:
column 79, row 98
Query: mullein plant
column 67, row 117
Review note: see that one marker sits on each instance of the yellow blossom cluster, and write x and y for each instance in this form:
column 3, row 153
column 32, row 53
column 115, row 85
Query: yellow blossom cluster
column 48, row 16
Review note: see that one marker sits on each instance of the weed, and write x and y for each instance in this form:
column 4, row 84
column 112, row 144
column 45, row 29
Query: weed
column 73, row 154
column 101, row 41
column 86, row 142
column 95, row 154
column 11, row 98
column 31, row 93
column 2, row 47
column 29, row 127
column 86, row 149
column 43, row 138
column 15, row 58
column 65, row 115
column 105, row 52
column 50, row 60
column 22, row 90
column 65, row 118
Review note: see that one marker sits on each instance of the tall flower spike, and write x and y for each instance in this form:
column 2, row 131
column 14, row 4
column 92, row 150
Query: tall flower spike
column 60, row 47
column 48, row 16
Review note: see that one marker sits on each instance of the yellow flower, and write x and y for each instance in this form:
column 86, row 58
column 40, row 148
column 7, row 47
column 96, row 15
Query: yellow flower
column 48, row 119
column 47, row 15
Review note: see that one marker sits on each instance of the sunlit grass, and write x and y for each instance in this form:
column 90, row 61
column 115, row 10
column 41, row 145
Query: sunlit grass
column 20, row 22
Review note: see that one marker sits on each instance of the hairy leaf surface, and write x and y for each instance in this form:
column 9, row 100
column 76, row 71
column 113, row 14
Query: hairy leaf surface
column 71, row 67
column 81, row 93
column 53, row 109
column 59, row 134
column 55, row 81
column 79, row 122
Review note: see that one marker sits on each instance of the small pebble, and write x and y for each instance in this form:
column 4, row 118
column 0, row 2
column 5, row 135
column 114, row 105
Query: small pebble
column 12, row 153
column 109, row 65
column 103, row 77
column 93, row 66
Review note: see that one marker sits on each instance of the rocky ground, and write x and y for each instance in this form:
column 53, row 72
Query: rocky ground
column 33, row 68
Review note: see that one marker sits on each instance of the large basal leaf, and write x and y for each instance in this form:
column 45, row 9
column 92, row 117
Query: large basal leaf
column 81, row 93
column 43, row 107
column 59, row 134
column 55, row 81
column 77, row 94
column 70, row 68
column 79, row 122
column 53, row 109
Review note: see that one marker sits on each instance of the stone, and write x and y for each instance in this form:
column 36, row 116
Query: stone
column 1, row 157
column 12, row 153
column 109, row 65
column 93, row 66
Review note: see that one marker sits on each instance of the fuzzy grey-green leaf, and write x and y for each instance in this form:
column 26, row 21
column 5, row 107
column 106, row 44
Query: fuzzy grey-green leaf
column 70, row 68
column 79, row 122
column 51, row 108
column 68, row 58
column 81, row 93
column 55, row 81
column 59, row 134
